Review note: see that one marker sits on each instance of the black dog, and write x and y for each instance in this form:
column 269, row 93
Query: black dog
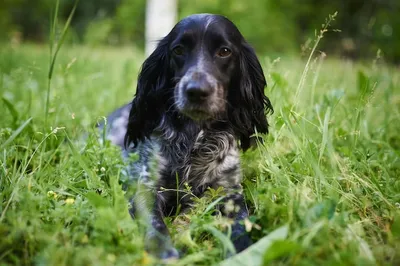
column 199, row 99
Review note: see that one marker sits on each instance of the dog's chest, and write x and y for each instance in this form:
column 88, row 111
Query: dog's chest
column 213, row 161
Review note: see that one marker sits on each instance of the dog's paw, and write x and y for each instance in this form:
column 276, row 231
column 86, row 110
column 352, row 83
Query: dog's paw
column 170, row 253
column 240, row 238
column 242, row 242
column 160, row 246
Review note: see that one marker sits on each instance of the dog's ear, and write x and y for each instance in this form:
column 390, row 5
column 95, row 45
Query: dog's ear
column 249, row 103
column 149, row 101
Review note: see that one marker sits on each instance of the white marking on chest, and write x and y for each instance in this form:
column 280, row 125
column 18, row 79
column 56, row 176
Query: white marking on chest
column 144, row 172
column 212, row 159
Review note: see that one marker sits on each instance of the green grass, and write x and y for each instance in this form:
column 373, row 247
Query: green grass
column 327, row 176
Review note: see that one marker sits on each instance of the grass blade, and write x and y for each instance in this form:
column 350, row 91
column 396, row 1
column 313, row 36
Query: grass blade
column 11, row 108
column 82, row 163
column 254, row 255
column 15, row 134
column 226, row 242
column 53, row 57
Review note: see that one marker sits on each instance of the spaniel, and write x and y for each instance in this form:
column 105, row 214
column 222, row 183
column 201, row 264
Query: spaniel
column 199, row 100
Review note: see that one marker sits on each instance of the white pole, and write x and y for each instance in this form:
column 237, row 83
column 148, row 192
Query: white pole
column 161, row 16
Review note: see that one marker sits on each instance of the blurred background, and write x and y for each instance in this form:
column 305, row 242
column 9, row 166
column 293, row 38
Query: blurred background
column 368, row 28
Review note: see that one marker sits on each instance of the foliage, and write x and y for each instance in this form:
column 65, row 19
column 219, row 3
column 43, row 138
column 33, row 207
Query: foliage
column 327, row 173
column 273, row 27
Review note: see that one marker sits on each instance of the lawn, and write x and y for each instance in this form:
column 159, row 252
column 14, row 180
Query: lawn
column 325, row 182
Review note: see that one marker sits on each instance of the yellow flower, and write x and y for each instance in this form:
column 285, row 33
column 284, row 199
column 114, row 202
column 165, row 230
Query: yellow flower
column 85, row 239
column 69, row 201
column 52, row 194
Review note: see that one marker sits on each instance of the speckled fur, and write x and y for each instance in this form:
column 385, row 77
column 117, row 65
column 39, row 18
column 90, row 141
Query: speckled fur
column 199, row 156
column 185, row 141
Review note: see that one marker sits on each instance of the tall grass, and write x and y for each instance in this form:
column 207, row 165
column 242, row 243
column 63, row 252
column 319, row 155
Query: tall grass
column 322, row 190
column 55, row 46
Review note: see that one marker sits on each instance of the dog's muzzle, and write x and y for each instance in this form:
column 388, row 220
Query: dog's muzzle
column 197, row 96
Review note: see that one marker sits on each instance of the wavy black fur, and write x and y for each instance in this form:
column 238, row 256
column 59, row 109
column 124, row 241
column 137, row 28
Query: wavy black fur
column 199, row 96
column 247, row 103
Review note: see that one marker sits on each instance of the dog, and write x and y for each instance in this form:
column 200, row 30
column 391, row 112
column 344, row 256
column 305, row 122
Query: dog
column 199, row 100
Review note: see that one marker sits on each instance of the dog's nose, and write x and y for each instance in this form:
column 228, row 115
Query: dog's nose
column 195, row 92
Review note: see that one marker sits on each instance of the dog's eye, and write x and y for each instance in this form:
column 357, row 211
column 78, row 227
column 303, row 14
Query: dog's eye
column 179, row 50
column 224, row 52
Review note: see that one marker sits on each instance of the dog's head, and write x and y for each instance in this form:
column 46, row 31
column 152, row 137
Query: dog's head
column 205, row 70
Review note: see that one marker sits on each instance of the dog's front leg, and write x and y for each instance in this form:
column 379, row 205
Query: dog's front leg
column 158, row 241
column 235, row 208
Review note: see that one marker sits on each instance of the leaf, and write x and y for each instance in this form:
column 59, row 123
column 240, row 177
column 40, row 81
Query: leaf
column 83, row 163
column 96, row 200
column 11, row 108
column 212, row 205
column 325, row 133
column 325, row 209
column 15, row 134
column 362, row 82
column 279, row 249
column 228, row 246
column 365, row 250
column 395, row 228
column 254, row 255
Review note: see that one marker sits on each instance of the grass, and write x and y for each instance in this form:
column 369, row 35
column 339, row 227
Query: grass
column 326, row 177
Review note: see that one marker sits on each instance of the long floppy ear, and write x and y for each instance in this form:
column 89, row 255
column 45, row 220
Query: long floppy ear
column 249, row 104
column 149, row 101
